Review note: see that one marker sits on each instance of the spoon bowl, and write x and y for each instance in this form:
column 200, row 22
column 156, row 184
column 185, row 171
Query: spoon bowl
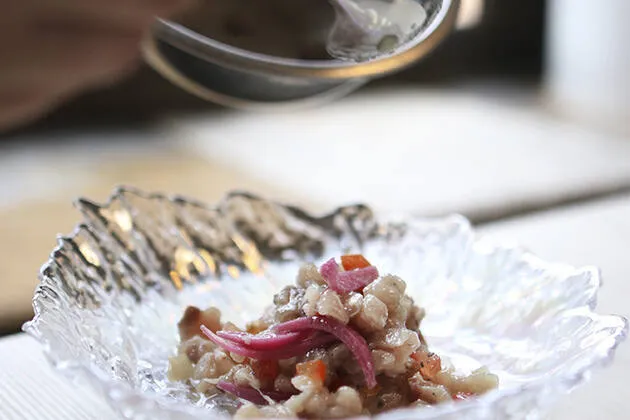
column 234, row 76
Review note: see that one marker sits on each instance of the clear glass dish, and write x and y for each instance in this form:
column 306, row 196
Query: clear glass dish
column 112, row 292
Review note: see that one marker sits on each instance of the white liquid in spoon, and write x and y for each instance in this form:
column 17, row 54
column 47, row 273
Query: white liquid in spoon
column 366, row 29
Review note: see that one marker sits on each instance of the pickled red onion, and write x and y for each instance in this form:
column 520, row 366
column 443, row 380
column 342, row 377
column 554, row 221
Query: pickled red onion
column 347, row 281
column 286, row 352
column 263, row 341
column 352, row 339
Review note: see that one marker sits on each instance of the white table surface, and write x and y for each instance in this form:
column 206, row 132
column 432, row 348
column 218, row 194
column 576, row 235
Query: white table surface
column 478, row 152
column 584, row 235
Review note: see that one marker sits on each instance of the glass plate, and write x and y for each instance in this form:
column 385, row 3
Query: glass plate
column 112, row 292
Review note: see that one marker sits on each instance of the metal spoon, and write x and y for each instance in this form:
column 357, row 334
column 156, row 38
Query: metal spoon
column 239, row 78
column 367, row 29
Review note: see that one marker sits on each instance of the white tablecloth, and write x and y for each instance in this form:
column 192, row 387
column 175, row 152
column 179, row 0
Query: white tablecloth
column 30, row 389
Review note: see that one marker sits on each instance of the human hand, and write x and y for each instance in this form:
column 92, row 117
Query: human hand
column 52, row 49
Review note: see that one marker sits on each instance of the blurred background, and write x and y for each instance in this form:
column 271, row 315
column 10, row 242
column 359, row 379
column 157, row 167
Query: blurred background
column 524, row 106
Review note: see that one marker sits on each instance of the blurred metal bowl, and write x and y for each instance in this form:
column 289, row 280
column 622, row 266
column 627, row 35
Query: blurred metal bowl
column 236, row 77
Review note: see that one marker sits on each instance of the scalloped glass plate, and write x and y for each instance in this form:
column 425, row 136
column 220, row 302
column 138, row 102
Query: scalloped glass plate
column 111, row 294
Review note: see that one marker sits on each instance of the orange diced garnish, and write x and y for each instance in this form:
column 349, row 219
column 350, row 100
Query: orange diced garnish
column 462, row 396
column 429, row 364
column 314, row 369
column 265, row 370
column 351, row 262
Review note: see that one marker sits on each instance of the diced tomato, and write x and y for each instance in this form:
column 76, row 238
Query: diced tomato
column 351, row 262
column 462, row 396
column 314, row 369
column 429, row 364
column 265, row 370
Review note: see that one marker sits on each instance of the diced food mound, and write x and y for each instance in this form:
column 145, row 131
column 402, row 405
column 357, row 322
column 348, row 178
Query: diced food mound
column 344, row 341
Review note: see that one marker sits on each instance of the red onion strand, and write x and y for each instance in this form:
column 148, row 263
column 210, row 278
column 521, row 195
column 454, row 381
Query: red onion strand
column 299, row 349
column 355, row 341
column 347, row 281
column 264, row 341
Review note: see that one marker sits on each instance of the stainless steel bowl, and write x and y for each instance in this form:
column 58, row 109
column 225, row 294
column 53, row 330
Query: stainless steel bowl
column 236, row 77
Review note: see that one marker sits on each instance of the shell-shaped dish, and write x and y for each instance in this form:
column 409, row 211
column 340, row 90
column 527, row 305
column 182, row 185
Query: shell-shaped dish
column 112, row 292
